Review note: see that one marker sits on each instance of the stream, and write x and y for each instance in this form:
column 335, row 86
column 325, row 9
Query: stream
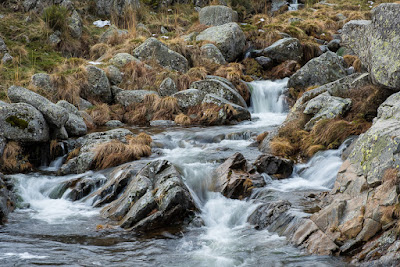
column 58, row 232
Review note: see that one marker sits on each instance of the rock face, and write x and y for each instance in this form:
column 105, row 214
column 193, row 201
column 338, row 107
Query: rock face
column 212, row 53
column 189, row 98
column 284, row 49
column 319, row 71
column 22, row 122
column 99, row 86
column 156, row 197
column 7, row 200
column 154, row 49
column 376, row 43
column 217, row 15
column 54, row 115
column 167, row 87
column 219, row 88
column 325, row 106
column 75, row 124
column 229, row 38
column 276, row 167
column 128, row 97
column 83, row 161
column 233, row 180
column 237, row 113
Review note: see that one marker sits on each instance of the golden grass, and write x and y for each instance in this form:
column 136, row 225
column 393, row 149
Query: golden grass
column 137, row 76
column 74, row 153
column 261, row 137
column 13, row 159
column 100, row 114
column 136, row 115
column 182, row 119
column 168, row 104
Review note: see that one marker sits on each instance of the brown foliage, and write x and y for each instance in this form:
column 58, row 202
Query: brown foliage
column 182, row 119
column 13, row 160
column 100, row 114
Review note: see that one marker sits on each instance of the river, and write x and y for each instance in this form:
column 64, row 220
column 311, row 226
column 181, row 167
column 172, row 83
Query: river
column 58, row 232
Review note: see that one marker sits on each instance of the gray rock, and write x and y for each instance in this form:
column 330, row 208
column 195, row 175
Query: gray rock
column 319, row 71
column 340, row 17
column 229, row 38
column 276, row 5
column 265, row 62
column 8, row 200
column 99, row 85
column 189, row 98
column 284, row 49
column 212, row 53
column 7, row 58
column 87, row 143
column 84, row 104
column 75, row 125
column 325, row 106
column 54, row 38
column 53, row 114
column 154, row 49
column 43, row 81
column 216, row 87
column 167, row 87
column 190, row 37
column 114, row 124
column 128, row 97
column 275, row 166
column 115, row 90
column 3, row 46
column 22, row 122
column 221, row 79
column 334, row 45
column 75, row 25
column 156, row 197
column 239, row 113
column 3, row 143
column 59, row 134
column 376, row 44
column 111, row 33
column 217, row 15
column 121, row 59
column 109, row 7
column 114, row 75
column 162, row 123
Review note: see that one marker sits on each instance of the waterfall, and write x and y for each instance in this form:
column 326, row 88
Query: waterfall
column 294, row 5
column 267, row 96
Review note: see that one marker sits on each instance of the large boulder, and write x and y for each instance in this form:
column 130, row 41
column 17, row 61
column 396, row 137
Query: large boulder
column 167, row 87
column 99, row 86
column 154, row 49
column 319, row 71
column 128, row 97
column 54, row 115
column 284, row 49
column 325, row 106
column 85, row 146
column 189, row 98
column 229, row 38
column 155, row 198
column 211, row 52
column 276, row 167
column 217, row 15
column 376, row 43
column 237, row 113
column 75, row 124
column 221, row 89
column 22, row 122
column 233, row 179
column 109, row 7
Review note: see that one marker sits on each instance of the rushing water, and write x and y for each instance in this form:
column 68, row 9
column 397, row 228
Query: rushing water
column 61, row 232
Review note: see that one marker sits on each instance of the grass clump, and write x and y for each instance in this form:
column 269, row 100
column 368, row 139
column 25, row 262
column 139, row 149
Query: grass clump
column 55, row 17
column 13, row 159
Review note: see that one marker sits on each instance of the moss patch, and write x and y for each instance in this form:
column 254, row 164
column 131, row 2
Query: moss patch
column 17, row 122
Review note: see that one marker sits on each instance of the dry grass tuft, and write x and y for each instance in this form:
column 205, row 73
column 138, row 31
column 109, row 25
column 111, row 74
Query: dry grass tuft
column 98, row 50
column 13, row 160
column 183, row 120
column 74, row 153
column 100, row 114
column 138, row 76
column 168, row 104
column 136, row 115
column 261, row 137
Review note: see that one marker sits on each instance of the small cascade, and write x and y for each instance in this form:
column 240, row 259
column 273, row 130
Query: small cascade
column 294, row 5
column 267, row 96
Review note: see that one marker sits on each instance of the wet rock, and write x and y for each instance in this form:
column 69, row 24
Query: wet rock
column 54, row 115
column 319, row 71
column 229, row 38
column 217, row 15
column 265, row 62
column 75, row 124
column 216, row 87
column 154, row 49
column 156, row 197
column 99, row 85
column 325, row 106
column 334, row 45
column 237, row 113
column 268, row 213
column 233, row 180
column 82, row 187
column 167, row 87
column 162, row 123
column 7, row 200
column 277, row 167
column 212, row 53
column 371, row 42
column 189, row 98
column 128, row 97
column 121, row 59
column 284, row 49
column 114, row 75
column 22, row 122
column 43, row 81
column 75, row 25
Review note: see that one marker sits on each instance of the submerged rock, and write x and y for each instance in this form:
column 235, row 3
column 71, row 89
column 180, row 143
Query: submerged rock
column 233, row 179
column 155, row 198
